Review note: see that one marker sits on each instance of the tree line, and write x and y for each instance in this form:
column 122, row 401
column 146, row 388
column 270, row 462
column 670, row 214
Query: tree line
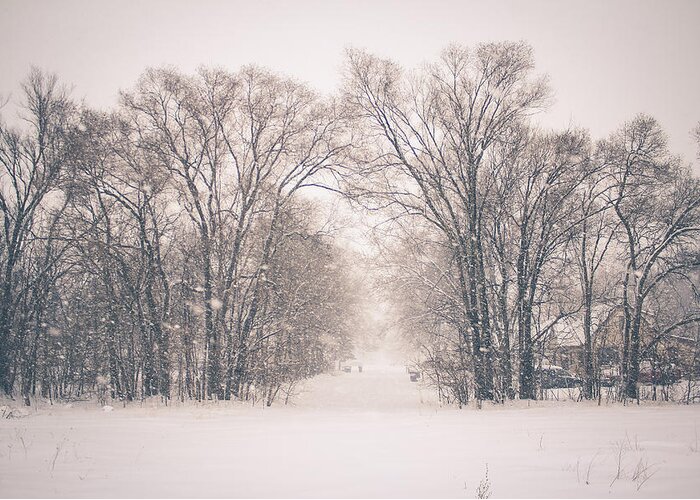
column 505, row 234
column 165, row 247
column 162, row 248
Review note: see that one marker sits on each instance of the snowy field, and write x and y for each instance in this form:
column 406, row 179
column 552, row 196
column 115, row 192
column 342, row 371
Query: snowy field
column 370, row 434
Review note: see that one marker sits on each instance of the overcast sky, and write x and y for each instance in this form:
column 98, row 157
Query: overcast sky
column 607, row 60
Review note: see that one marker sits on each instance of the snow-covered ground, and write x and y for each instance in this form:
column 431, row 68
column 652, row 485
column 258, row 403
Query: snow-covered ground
column 369, row 434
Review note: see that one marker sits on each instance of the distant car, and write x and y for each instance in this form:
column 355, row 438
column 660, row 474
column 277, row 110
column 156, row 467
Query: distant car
column 609, row 375
column 350, row 365
column 609, row 381
column 414, row 376
column 555, row 377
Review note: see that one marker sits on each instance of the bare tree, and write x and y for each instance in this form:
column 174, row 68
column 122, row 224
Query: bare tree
column 593, row 240
column 549, row 175
column 33, row 164
column 237, row 147
column 437, row 131
column 658, row 205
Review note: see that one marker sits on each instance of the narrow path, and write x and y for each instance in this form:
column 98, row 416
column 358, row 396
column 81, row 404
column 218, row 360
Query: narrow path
column 379, row 387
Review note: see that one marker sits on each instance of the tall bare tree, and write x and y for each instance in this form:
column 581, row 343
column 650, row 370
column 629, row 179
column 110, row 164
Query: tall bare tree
column 437, row 130
column 657, row 203
column 34, row 161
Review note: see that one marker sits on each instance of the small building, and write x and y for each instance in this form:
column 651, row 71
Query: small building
column 608, row 345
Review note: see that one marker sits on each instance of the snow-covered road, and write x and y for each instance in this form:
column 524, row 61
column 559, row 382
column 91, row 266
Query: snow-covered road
column 370, row 434
column 376, row 388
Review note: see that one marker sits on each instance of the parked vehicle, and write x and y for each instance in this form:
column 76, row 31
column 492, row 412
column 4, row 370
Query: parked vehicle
column 350, row 365
column 555, row 377
column 609, row 375
column 658, row 375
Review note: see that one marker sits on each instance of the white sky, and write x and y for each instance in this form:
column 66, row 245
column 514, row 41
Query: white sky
column 606, row 60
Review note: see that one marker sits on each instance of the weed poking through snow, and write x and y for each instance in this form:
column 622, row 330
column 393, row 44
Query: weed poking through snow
column 484, row 489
